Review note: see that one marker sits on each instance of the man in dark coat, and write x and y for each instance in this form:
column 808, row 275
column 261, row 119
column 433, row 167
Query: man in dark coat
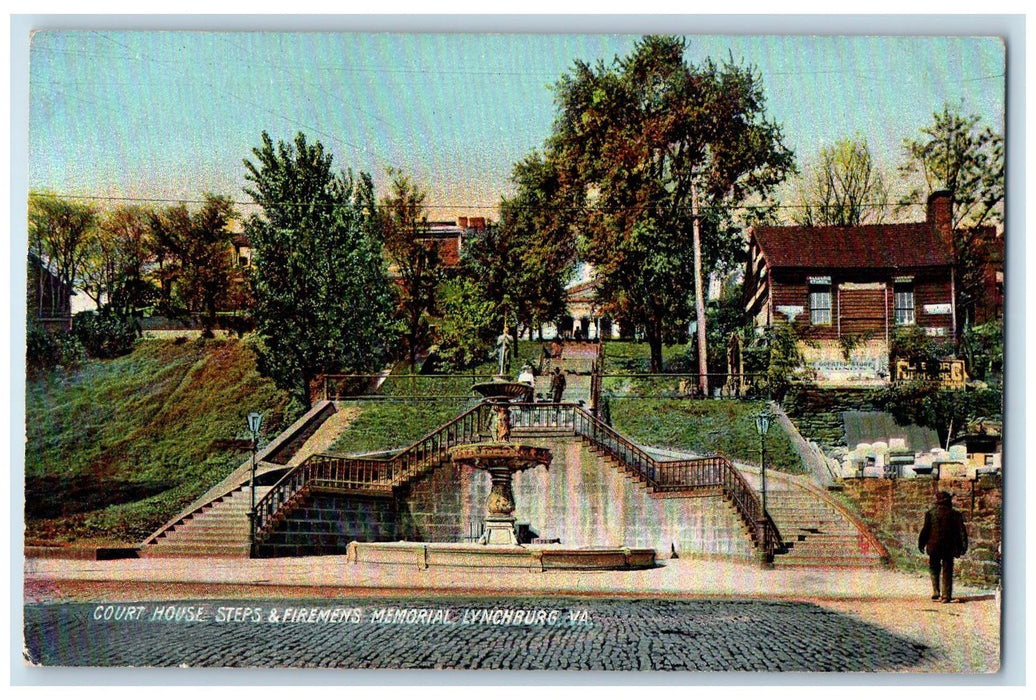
column 944, row 536
column 557, row 385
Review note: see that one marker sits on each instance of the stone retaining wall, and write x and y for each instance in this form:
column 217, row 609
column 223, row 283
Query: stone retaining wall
column 895, row 508
column 818, row 412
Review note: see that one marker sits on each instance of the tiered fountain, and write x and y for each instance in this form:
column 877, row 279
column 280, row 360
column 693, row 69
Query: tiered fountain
column 502, row 459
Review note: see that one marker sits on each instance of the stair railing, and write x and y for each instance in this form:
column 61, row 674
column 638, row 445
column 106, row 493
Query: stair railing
column 716, row 471
column 371, row 474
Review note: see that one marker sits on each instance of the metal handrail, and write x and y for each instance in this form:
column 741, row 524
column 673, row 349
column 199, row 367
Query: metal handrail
column 368, row 473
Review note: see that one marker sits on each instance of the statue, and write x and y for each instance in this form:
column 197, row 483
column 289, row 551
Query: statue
column 502, row 433
column 503, row 343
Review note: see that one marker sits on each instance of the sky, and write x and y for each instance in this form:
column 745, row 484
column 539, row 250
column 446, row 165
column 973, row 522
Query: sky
column 171, row 115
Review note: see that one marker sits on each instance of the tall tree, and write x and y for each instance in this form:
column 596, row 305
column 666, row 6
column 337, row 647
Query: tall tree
column 197, row 253
column 537, row 222
column 59, row 231
column 660, row 152
column 959, row 154
column 322, row 299
column 492, row 261
column 413, row 258
column 115, row 272
column 844, row 188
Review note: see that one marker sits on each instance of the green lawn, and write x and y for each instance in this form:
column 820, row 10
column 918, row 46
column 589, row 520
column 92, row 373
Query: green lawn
column 714, row 425
column 118, row 447
column 632, row 357
column 387, row 425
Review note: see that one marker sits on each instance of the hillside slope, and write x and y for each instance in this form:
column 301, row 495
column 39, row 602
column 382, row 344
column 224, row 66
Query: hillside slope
column 116, row 448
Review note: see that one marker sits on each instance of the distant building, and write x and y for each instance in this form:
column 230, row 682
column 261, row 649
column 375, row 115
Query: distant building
column 852, row 287
column 48, row 301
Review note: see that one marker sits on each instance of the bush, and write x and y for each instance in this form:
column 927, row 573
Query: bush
column 104, row 335
column 913, row 344
column 948, row 411
column 45, row 350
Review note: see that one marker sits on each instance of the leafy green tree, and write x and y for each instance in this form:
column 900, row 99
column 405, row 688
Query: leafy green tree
column 59, row 231
column 658, row 154
column 983, row 350
column 492, row 262
column 785, row 359
column 467, row 324
column 844, row 188
column 413, row 260
column 322, row 298
column 197, row 255
column 115, row 272
column 537, row 224
column 958, row 153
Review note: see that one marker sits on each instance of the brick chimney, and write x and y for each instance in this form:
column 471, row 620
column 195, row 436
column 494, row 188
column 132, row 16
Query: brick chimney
column 462, row 221
column 940, row 216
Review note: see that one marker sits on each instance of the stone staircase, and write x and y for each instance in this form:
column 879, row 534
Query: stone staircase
column 219, row 529
column 816, row 533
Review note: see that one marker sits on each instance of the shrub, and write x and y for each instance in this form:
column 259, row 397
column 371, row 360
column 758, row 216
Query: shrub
column 104, row 334
column 45, row 350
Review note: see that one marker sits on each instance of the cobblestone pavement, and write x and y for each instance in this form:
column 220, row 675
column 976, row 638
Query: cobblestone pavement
column 467, row 633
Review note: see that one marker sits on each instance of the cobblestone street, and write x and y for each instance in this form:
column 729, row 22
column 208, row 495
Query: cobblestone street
column 466, row 633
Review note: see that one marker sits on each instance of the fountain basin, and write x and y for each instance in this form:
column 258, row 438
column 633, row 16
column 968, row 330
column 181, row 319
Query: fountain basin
column 504, row 390
column 422, row 555
column 510, row 455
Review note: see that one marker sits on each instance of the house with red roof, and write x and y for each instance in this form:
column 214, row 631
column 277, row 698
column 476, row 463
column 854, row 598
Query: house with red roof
column 847, row 289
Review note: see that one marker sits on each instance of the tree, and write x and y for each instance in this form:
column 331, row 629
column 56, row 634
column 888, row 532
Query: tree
column 196, row 250
column 467, row 326
column 115, row 271
column 492, row 262
column 957, row 153
column 659, row 153
column 58, row 234
column 537, row 224
column 322, row 299
column 414, row 260
column 844, row 188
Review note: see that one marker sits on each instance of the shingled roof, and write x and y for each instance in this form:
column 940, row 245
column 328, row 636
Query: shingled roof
column 873, row 246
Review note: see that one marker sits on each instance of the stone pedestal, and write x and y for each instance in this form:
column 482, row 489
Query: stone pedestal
column 500, row 529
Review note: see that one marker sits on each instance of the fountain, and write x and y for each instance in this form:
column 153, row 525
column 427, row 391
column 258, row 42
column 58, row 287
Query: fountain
column 502, row 459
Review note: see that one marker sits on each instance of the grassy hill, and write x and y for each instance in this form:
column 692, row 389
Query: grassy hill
column 118, row 447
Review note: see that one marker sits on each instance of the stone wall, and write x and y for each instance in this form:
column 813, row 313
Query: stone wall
column 448, row 505
column 327, row 522
column 818, row 412
column 895, row 508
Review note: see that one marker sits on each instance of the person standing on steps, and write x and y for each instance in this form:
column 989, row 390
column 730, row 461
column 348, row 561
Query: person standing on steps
column 557, row 385
column 944, row 537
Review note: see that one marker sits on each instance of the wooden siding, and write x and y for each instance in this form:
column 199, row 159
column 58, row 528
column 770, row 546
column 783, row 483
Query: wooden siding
column 861, row 310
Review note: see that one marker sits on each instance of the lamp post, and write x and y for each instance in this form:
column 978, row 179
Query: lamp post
column 255, row 420
column 762, row 425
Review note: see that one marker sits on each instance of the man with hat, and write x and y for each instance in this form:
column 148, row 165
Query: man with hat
column 944, row 536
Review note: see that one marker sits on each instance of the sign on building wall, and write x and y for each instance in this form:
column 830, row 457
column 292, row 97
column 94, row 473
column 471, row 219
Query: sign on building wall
column 948, row 373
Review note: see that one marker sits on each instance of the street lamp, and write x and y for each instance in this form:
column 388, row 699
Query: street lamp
column 255, row 420
column 762, row 425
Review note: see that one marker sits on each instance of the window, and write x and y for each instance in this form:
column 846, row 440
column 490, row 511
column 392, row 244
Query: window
column 904, row 305
column 820, row 304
